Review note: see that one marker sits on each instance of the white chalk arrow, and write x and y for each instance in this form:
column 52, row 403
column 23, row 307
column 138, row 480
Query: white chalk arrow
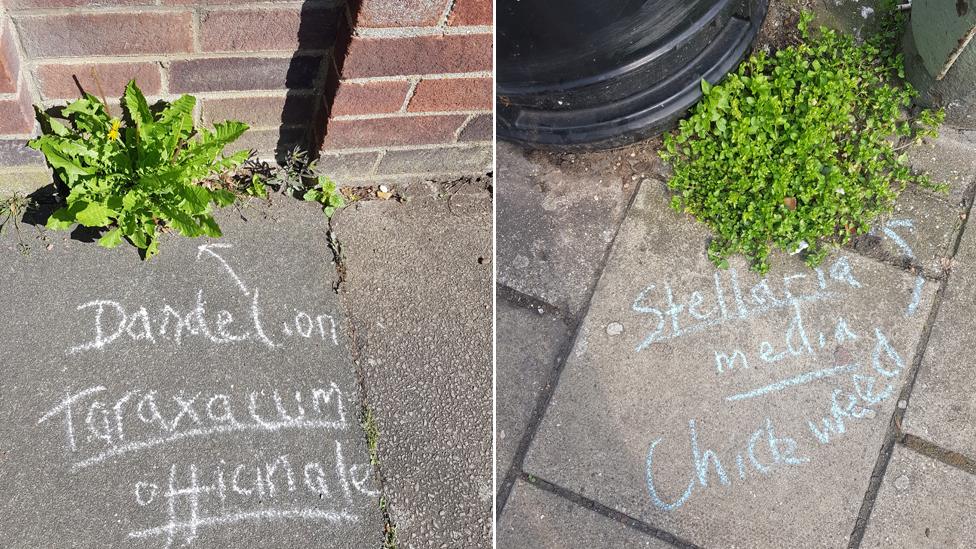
column 209, row 248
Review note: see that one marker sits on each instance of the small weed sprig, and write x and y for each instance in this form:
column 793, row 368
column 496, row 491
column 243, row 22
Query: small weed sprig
column 140, row 174
column 12, row 209
column 298, row 177
column 797, row 150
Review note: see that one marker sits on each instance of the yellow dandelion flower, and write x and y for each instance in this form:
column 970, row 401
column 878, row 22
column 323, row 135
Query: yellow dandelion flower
column 113, row 134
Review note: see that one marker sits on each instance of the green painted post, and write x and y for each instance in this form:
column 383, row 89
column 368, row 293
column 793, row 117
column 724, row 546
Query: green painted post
column 940, row 57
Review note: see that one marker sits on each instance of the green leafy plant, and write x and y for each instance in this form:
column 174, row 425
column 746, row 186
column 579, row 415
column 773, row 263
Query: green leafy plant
column 798, row 150
column 139, row 174
column 297, row 176
column 327, row 194
column 372, row 431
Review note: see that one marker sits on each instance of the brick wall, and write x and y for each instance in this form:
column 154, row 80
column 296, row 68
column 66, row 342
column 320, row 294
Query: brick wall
column 386, row 89
column 410, row 91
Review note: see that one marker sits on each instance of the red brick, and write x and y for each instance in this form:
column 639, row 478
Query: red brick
column 243, row 73
column 452, row 94
column 275, row 29
column 368, row 57
column 260, row 112
column 401, row 130
column 41, row 4
column 480, row 128
column 470, row 12
column 104, row 34
column 17, row 112
column 218, row 2
column 400, row 13
column 9, row 60
column 56, row 80
column 369, row 98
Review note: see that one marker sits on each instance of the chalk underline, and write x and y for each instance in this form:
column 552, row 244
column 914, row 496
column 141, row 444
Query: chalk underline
column 269, row 426
column 793, row 381
column 232, row 518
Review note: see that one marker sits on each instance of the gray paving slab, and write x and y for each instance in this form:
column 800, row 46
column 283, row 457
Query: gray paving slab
column 922, row 503
column 855, row 17
column 529, row 345
column 541, row 520
column 920, row 233
column 557, row 215
column 200, row 399
column 942, row 407
column 418, row 288
column 950, row 159
column 726, row 409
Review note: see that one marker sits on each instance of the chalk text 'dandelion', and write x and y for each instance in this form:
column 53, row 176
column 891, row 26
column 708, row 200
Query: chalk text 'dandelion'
column 115, row 322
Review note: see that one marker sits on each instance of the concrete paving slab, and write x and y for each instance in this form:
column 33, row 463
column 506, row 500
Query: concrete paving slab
column 529, row 345
column 922, row 503
column 920, row 233
column 557, row 215
column 726, row 409
column 418, row 289
column 949, row 158
column 942, row 408
column 855, row 17
column 542, row 520
column 205, row 398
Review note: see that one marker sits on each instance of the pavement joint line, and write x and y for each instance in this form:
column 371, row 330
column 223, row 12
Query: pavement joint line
column 893, row 433
column 938, row 453
column 911, row 267
column 356, row 347
column 545, row 396
column 540, row 306
column 608, row 512
column 507, row 483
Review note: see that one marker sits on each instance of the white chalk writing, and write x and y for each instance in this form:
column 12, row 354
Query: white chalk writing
column 114, row 322
column 142, row 419
column 231, row 493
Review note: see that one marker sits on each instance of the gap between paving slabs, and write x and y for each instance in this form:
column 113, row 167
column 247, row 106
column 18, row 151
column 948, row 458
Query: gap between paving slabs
column 547, row 200
column 895, row 431
column 423, row 353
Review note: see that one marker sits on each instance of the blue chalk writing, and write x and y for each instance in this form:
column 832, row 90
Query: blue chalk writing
column 916, row 295
column 899, row 241
column 801, row 379
column 864, row 395
column 889, row 351
column 782, row 450
column 843, row 333
column 906, row 250
column 703, row 459
column 678, row 316
column 724, row 362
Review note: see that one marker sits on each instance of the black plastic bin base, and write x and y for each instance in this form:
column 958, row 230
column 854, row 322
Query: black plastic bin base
column 632, row 77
